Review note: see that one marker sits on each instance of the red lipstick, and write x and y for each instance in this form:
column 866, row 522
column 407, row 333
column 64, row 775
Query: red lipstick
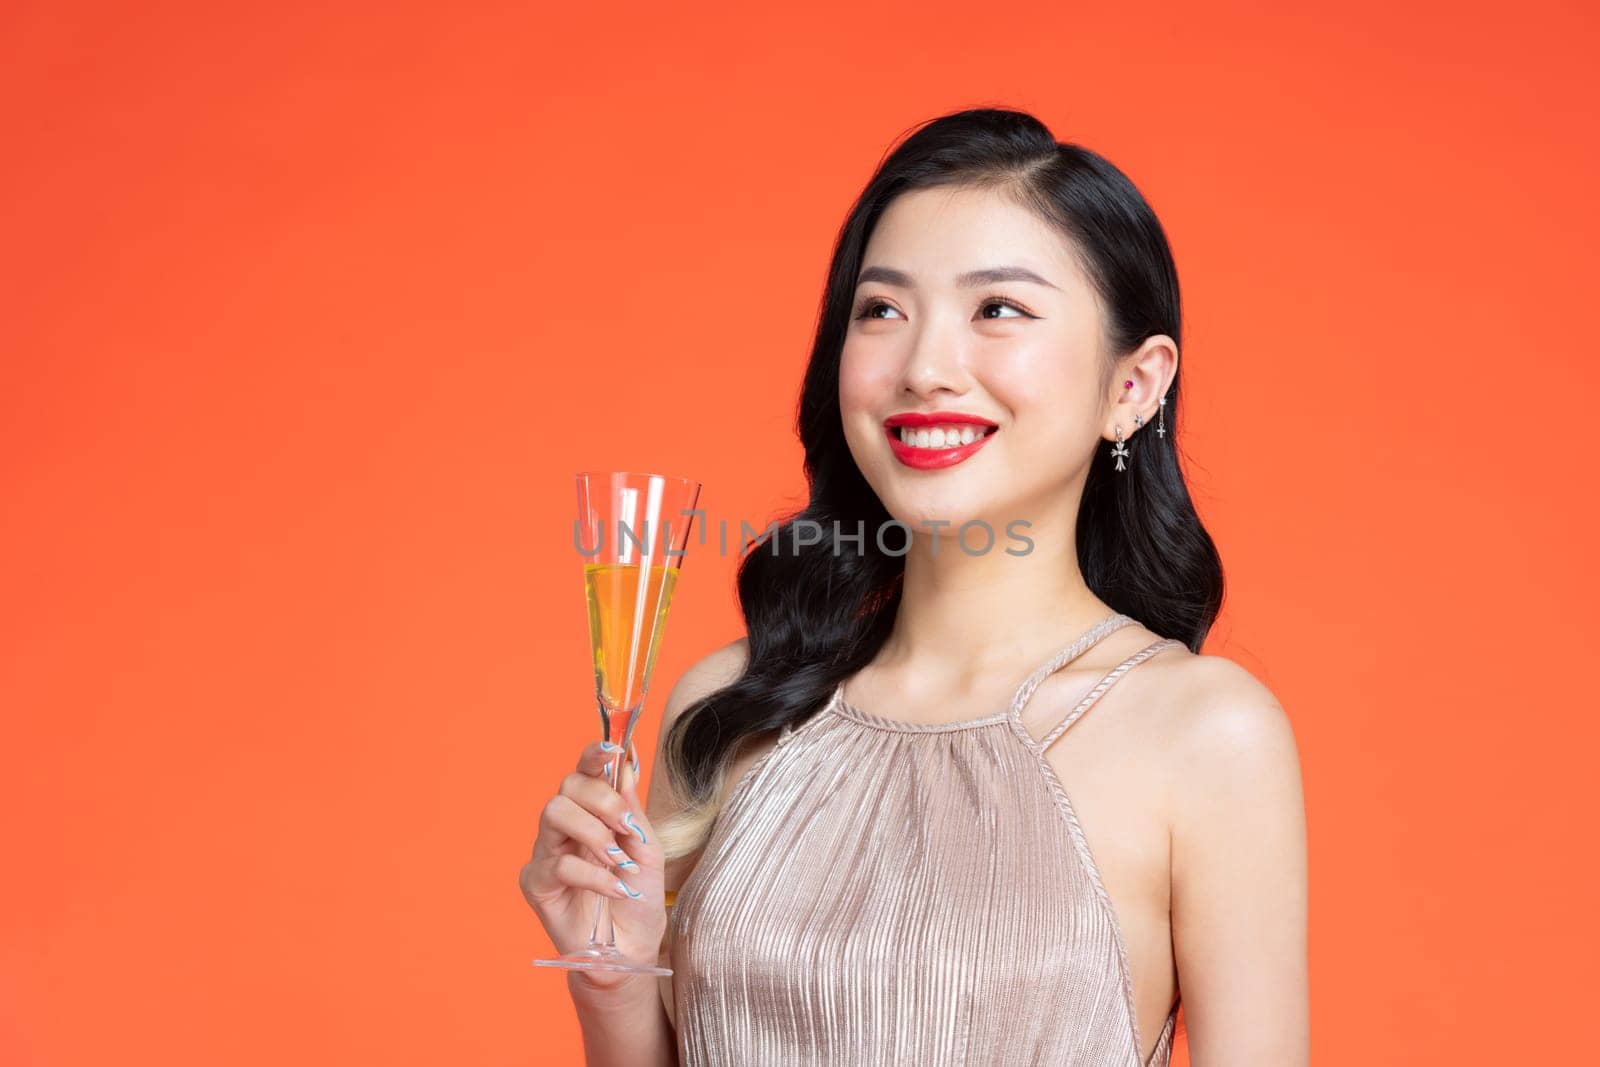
column 935, row 458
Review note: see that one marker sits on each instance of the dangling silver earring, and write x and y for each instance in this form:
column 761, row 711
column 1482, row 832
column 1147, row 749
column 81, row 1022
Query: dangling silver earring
column 1121, row 451
column 1161, row 421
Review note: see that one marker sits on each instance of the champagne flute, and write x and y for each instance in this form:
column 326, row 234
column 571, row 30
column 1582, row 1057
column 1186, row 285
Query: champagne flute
column 632, row 531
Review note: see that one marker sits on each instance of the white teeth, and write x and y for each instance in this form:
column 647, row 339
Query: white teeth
column 940, row 436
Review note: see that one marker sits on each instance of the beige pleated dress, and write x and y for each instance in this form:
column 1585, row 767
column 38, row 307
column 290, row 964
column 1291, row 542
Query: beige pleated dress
column 878, row 892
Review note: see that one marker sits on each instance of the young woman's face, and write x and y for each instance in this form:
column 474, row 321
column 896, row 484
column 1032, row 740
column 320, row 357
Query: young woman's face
column 1021, row 352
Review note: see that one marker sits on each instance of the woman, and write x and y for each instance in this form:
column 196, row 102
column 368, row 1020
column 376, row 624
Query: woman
column 894, row 830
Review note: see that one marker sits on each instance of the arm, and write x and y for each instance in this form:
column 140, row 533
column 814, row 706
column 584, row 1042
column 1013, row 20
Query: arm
column 1239, row 877
column 632, row 1022
column 623, row 1025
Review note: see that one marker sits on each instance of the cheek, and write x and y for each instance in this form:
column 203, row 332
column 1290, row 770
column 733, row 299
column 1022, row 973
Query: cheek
column 862, row 380
column 866, row 388
column 1043, row 379
column 1019, row 371
column 1053, row 400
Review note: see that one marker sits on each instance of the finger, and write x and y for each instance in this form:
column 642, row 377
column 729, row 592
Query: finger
column 629, row 774
column 566, row 822
column 623, row 814
column 594, row 757
column 647, row 831
column 579, row 873
column 550, row 838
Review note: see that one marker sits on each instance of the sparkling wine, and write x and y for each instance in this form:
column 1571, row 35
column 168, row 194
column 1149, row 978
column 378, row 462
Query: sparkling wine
column 618, row 612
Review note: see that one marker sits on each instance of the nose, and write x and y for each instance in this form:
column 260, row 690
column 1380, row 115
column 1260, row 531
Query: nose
column 936, row 362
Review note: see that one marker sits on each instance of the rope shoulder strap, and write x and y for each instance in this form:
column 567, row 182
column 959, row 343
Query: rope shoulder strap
column 1107, row 680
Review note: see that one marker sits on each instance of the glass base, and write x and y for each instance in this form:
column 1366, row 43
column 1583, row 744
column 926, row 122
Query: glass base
column 597, row 959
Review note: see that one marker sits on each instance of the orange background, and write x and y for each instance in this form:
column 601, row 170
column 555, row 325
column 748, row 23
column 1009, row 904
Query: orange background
column 311, row 316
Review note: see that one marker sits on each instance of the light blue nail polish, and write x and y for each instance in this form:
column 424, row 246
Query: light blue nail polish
column 607, row 746
column 624, row 862
column 628, row 889
column 627, row 820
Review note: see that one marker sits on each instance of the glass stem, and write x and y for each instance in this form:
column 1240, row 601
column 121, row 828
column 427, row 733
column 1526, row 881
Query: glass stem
column 603, row 938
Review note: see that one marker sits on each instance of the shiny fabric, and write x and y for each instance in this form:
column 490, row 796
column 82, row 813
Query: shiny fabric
column 878, row 892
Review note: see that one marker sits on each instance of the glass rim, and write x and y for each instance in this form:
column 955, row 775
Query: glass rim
column 639, row 474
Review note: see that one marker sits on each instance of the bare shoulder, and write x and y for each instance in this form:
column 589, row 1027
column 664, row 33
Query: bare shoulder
column 1222, row 714
column 705, row 676
column 1230, row 743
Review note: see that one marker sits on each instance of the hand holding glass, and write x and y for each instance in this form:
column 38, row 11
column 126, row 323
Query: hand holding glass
column 632, row 531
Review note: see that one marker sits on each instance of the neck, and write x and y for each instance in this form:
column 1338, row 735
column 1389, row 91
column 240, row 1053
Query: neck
column 976, row 614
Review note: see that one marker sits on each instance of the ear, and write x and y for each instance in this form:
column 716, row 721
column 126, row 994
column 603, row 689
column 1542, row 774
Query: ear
column 1141, row 380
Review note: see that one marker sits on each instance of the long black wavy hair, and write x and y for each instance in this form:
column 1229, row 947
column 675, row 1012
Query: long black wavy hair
column 813, row 615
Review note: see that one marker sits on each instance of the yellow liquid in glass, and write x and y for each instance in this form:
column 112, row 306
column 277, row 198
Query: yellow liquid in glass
column 615, row 605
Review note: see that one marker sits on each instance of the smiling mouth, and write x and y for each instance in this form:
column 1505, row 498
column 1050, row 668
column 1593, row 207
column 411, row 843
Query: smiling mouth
column 940, row 446
column 940, row 438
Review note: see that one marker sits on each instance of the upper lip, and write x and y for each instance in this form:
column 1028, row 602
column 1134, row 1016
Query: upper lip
column 936, row 418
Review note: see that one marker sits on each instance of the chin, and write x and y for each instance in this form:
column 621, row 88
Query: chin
column 920, row 511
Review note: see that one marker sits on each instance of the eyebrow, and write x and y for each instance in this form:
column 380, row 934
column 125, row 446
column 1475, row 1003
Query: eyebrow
column 969, row 280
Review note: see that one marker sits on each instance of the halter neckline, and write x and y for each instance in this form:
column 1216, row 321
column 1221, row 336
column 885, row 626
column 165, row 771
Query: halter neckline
column 1019, row 697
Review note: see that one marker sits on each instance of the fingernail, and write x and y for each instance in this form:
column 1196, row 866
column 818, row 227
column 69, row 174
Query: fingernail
column 620, row 858
column 636, row 765
column 607, row 746
column 627, row 820
column 628, row 889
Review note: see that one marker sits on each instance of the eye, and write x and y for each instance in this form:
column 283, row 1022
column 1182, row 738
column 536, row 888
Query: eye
column 866, row 309
column 1002, row 302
